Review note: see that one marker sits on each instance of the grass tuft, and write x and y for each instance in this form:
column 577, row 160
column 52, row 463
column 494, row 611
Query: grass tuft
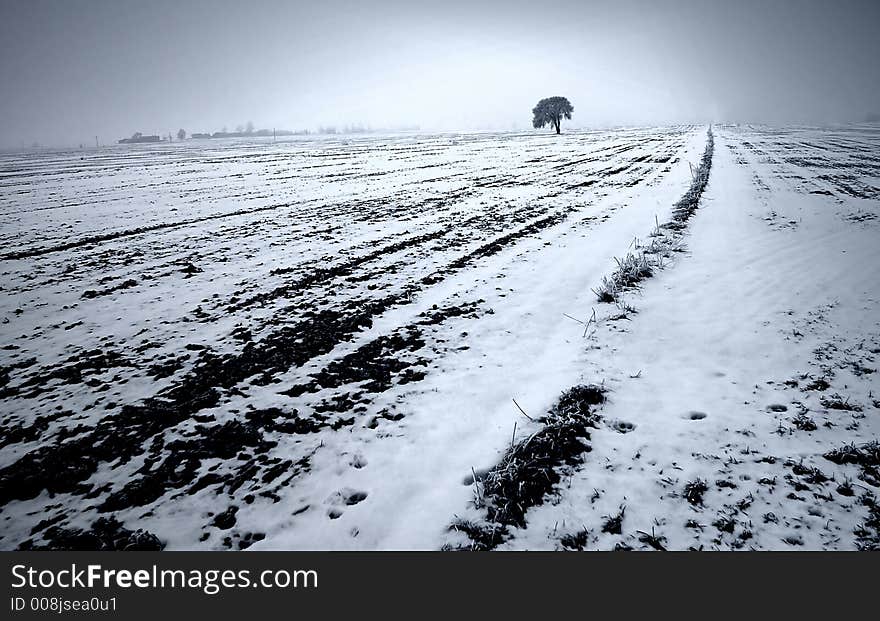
column 576, row 541
column 666, row 239
column 613, row 524
column 531, row 468
column 482, row 536
column 865, row 455
column 694, row 490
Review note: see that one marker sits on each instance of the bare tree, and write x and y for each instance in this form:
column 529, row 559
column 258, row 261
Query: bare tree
column 550, row 112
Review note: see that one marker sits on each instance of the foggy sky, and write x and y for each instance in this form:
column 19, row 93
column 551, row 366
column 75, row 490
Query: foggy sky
column 70, row 70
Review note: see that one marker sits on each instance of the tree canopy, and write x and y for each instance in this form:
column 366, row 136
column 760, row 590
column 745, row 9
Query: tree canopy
column 550, row 112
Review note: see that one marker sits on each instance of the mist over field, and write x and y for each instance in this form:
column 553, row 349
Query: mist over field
column 450, row 276
column 71, row 71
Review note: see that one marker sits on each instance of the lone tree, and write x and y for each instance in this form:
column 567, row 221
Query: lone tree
column 550, row 112
column 181, row 134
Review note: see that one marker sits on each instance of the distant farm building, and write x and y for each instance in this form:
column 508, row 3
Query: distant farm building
column 138, row 137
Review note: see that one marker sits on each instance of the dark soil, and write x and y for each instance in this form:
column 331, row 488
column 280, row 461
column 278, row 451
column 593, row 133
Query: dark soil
column 106, row 534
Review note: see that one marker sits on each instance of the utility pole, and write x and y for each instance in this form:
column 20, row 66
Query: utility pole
column 96, row 142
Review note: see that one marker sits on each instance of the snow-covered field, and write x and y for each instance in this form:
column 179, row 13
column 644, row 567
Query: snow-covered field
column 316, row 344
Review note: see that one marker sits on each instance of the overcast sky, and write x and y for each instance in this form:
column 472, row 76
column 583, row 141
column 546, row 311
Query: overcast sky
column 73, row 69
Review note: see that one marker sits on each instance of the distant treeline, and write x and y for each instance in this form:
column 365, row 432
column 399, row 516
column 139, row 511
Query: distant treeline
column 247, row 134
column 360, row 129
column 330, row 130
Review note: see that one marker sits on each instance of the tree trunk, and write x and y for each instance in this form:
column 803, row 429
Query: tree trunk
column 557, row 126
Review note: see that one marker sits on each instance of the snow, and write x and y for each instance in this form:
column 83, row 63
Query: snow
column 457, row 258
column 758, row 300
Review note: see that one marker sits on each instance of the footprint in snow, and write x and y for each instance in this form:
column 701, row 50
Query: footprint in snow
column 347, row 497
column 622, row 426
column 358, row 461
